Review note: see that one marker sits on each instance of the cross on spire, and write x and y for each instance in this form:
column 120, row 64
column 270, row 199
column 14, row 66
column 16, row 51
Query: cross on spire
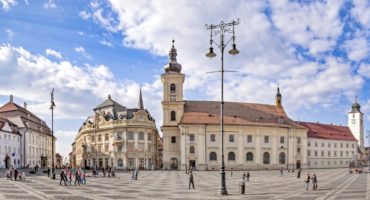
column 140, row 103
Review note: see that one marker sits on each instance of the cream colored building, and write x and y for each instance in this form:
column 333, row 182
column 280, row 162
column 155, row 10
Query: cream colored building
column 256, row 136
column 118, row 137
column 36, row 140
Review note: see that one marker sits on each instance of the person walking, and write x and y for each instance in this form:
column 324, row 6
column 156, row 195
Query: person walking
column 133, row 175
column 136, row 173
column 77, row 176
column 48, row 172
column 15, row 174
column 62, row 178
column 231, row 172
column 299, row 174
column 83, row 178
column 281, row 171
column 191, row 179
column 307, row 180
column 314, row 182
column 69, row 177
column 248, row 175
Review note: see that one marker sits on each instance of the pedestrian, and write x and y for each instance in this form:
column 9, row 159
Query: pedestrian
column 136, row 173
column 231, row 172
column 23, row 176
column 62, row 178
column 248, row 175
column 83, row 177
column 113, row 174
column 48, row 171
column 281, row 171
column 69, row 177
column 77, row 180
column 11, row 174
column 314, row 182
column 307, row 180
column 133, row 175
column 243, row 177
column 299, row 173
column 15, row 174
column 7, row 174
column 191, row 179
column 104, row 173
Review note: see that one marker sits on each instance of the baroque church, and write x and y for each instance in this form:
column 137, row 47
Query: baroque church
column 256, row 136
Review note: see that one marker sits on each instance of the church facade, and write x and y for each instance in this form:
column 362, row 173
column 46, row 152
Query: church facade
column 117, row 137
column 256, row 136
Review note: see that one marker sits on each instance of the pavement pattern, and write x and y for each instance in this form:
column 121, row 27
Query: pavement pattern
column 333, row 184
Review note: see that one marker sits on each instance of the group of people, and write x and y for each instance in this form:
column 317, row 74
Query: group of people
column 13, row 172
column 66, row 177
column 313, row 179
column 108, row 171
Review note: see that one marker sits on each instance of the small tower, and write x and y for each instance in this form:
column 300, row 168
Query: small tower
column 356, row 122
column 278, row 98
column 140, row 104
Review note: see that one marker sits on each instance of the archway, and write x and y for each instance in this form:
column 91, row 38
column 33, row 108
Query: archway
column 174, row 163
column 7, row 162
column 298, row 164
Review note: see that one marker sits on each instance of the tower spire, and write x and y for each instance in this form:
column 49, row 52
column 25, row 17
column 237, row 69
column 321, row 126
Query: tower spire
column 278, row 97
column 140, row 103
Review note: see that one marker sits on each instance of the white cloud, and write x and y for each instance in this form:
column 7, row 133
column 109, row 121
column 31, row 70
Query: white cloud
column 50, row 4
column 357, row 48
column 361, row 11
column 6, row 4
column 54, row 53
column 9, row 33
column 81, row 33
column 105, row 43
column 364, row 70
column 85, row 15
column 82, row 51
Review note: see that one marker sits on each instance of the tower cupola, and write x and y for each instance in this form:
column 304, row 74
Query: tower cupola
column 173, row 65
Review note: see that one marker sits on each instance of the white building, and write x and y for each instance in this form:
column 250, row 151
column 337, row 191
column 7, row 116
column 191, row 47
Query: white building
column 10, row 144
column 36, row 147
column 329, row 146
column 356, row 123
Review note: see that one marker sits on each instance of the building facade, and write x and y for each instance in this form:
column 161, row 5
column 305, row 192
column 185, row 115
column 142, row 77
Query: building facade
column 256, row 136
column 10, row 144
column 118, row 137
column 36, row 140
column 330, row 146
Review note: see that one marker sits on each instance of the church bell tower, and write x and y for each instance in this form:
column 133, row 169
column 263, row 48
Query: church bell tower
column 356, row 122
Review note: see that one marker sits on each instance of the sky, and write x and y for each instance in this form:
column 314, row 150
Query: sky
column 318, row 52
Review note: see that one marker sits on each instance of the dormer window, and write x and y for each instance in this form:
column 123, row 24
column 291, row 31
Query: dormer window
column 172, row 88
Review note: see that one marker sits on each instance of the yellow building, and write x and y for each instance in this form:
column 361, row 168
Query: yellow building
column 256, row 136
column 118, row 137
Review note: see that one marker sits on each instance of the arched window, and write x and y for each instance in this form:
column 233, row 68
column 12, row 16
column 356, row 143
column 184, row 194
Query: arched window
column 249, row 156
column 231, row 156
column 282, row 158
column 173, row 88
column 173, row 116
column 266, row 158
column 213, row 156
column 120, row 163
column 192, row 149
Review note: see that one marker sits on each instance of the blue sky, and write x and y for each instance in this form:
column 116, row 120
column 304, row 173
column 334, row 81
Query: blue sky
column 317, row 51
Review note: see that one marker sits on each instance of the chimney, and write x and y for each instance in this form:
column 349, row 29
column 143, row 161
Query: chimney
column 11, row 98
column 25, row 105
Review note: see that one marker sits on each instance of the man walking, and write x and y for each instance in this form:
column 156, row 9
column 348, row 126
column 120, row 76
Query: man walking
column 299, row 174
column 191, row 179
column 281, row 171
column 62, row 178
column 307, row 180
column 314, row 182
column 15, row 174
column 248, row 175
column 48, row 172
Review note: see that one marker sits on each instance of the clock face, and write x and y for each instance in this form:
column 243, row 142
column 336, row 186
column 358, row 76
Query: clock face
column 353, row 121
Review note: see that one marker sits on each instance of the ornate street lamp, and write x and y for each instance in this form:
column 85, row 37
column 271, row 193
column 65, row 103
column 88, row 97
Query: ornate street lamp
column 221, row 29
column 52, row 133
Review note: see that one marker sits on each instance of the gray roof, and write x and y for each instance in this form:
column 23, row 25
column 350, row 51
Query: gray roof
column 108, row 103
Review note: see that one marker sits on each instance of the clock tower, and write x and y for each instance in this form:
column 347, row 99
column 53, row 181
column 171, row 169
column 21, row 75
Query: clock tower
column 356, row 122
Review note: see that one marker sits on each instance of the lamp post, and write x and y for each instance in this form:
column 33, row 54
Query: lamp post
column 52, row 133
column 221, row 29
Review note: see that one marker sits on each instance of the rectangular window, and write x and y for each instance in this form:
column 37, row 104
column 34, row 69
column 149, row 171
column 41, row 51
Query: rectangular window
column 315, row 153
column 335, row 154
column 328, row 144
column 347, row 145
column 341, row 153
column 119, row 136
column 266, row 139
column 298, row 140
column 322, row 144
column 106, row 148
column 141, row 136
column 173, row 139
column 335, row 145
column 119, row 148
column 308, row 153
column 99, row 148
column 213, row 137
column 92, row 138
column 249, row 138
column 353, row 145
column 315, row 144
column 130, row 136
column 341, row 145
column 328, row 153
column 308, row 143
column 322, row 154
column 231, row 138
column 106, row 138
column 191, row 137
column 99, row 138
column 172, row 97
column 149, row 137
column 281, row 140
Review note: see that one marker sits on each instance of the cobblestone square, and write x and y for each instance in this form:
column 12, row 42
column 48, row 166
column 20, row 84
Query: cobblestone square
column 333, row 184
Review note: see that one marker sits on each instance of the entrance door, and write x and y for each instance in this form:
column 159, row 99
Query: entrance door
column 85, row 162
column 192, row 164
column 141, row 163
column 173, row 163
column 7, row 162
column 298, row 164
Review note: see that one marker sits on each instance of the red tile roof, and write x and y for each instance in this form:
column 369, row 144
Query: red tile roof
column 328, row 131
column 235, row 113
